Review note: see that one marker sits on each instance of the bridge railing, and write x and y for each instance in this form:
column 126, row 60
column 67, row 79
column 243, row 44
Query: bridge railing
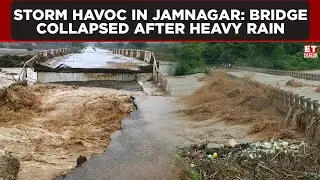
column 42, row 55
column 148, row 57
column 286, row 99
column 296, row 74
column 302, row 112
column 53, row 52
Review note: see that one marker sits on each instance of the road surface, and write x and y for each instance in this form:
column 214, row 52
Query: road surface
column 307, row 90
column 94, row 58
column 89, row 58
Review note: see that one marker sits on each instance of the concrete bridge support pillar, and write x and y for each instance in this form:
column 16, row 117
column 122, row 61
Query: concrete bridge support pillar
column 45, row 53
column 51, row 52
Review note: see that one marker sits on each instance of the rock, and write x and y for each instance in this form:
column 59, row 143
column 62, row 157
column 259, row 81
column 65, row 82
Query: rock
column 213, row 145
column 81, row 160
column 267, row 145
column 232, row 143
column 9, row 167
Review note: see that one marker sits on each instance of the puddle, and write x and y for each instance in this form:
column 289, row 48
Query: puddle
column 141, row 149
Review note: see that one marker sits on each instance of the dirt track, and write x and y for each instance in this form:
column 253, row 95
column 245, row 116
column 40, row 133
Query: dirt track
column 69, row 122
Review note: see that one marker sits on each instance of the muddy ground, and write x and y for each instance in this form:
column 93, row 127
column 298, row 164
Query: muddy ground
column 47, row 127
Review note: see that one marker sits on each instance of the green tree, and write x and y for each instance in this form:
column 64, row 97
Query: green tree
column 137, row 45
column 190, row 59
column 78, row 45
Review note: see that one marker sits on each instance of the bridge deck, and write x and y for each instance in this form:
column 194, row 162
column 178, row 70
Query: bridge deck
column 92, row 58
column 91, row 64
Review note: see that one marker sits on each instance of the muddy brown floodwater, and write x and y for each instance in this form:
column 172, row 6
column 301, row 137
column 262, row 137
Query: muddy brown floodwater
column 141, row 150
column 144, row 147
column 70, row 121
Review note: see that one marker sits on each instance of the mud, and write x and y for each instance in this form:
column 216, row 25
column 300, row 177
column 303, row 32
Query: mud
column 69, row 122
column 143, row 149
column 9, row 167
column 236, row 101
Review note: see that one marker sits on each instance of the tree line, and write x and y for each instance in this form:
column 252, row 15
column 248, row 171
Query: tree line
column 195, row 57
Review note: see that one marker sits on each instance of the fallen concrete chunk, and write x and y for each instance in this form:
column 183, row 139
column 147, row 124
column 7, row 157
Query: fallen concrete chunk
column 9, row 167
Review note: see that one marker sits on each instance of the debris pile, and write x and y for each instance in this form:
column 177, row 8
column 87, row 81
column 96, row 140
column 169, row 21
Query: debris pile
column 259, row 160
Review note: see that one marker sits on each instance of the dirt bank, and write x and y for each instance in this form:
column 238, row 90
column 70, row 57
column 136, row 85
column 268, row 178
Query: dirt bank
column 62, row 123
column 237, row 101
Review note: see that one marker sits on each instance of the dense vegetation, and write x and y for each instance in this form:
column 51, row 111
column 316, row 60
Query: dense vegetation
column 80, row 45
column 13, row 61
column 194, row 57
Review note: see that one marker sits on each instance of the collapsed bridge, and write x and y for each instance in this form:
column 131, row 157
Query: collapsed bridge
column 93, row 64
